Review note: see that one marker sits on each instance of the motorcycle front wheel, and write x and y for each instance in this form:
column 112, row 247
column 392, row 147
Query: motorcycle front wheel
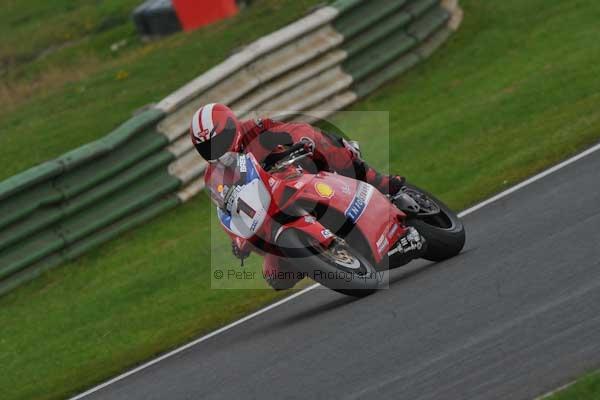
column 444, row 231
column 338, row 267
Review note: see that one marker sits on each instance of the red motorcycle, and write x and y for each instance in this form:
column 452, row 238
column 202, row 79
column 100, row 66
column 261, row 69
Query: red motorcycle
column 339, row 231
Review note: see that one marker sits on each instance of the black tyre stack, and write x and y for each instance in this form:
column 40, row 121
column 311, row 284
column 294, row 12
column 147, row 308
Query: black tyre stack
column 155, row 18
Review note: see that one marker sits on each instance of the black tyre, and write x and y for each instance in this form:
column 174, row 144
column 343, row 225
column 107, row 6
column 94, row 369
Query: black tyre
column 440, row 225
column 338, row 267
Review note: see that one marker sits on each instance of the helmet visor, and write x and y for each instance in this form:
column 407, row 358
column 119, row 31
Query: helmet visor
column 219, row 144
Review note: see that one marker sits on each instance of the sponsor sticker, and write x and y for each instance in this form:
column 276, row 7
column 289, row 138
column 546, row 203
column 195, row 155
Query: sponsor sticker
column 392, row 231
column 274, row 183
column 255, row 221
column 326, row 233
column 382, row 243
column 231, row 200
column 360, row 201
column 324, row 190
column 309, row 219
column 242, row 164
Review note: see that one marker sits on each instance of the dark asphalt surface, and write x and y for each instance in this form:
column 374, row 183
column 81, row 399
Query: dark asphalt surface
column 516, row 315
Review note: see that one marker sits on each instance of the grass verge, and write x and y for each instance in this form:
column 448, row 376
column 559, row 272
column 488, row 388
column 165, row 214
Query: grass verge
column 515, row 90
column 586, row 388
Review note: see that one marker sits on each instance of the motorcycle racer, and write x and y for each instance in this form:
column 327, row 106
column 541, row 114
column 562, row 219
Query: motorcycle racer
column 215, row 131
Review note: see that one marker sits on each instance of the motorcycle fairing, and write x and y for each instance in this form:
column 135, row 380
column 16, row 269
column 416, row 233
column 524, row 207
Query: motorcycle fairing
column 379, row 221
column 247, row 202
column 311, row 227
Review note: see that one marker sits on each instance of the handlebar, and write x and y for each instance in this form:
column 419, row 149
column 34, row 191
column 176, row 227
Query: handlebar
column 289, row 156
column 293, row 149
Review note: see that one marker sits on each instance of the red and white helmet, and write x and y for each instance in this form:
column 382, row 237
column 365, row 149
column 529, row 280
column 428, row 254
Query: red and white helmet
column 213, row 130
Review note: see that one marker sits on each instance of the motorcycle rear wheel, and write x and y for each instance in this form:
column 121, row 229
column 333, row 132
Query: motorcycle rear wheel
column 340, row 268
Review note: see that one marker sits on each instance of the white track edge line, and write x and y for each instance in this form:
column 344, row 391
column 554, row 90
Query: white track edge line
column 531, row 180
column 556, row 391
column 194, row 342
column 308, row 289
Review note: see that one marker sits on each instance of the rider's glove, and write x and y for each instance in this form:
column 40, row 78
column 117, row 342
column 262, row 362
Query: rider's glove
column 239, row 253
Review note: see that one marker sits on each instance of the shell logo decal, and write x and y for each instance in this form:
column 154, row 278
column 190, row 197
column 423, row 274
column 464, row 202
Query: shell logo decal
column 324, row 190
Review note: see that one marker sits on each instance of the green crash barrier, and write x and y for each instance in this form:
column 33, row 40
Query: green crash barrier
column 34, row 271
column 79, row 248
column 29, row 178
column 42, row 218
column 344, row 6
column 116, row 206
column 365, row 16
column 379, row 55
column 417, row 8
column 26, row 201
column 34, row 222
column 429, row 23
column 38, row 203
column 23, row 193
column 70, row 228
column 114, row 139
column 378, row 33
column 114, row 229
column 426, row 49
column 29, row 251
column 106, row 166
column 155, row 164
column 391, row 71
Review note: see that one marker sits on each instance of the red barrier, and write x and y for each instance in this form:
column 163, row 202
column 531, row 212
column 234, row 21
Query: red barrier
column 196, row 13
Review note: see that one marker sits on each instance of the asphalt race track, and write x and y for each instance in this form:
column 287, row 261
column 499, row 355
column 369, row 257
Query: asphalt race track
column 516, row 315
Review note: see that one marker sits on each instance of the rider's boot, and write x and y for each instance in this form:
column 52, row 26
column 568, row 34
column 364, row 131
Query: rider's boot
column 386, row 184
